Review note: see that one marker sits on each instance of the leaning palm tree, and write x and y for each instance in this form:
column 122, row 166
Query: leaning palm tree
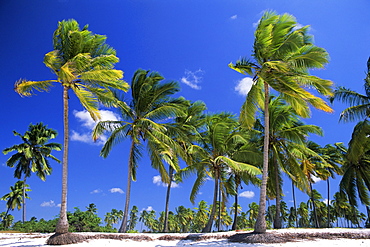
column 14, row 199
column 283, row 54
column 33, row 155
column 83, row 63
column 144, row 120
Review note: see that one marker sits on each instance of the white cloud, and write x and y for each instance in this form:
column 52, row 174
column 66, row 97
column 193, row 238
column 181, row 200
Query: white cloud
column 234, row 17
column 315, row 179
column 148, row 209
column 50, row 203
column 96, row 191
column 158, row 181
column 116, row 190
column 89, row 124
column 326, row 201
column 244, row 86
column 247, row 194
column 193, row 79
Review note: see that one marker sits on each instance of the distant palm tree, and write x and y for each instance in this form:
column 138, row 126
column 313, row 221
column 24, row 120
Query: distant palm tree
column 185, row 131
column 14, row 199
column 84, row 63
column 144, row 121
column 33, row 154
column 210, row 159
column 283, row 54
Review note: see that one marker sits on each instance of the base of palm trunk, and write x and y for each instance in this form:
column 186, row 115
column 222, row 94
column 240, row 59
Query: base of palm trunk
column 65, row 238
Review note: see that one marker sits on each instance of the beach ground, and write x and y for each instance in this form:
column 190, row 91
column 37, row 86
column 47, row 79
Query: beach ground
column 338, row 237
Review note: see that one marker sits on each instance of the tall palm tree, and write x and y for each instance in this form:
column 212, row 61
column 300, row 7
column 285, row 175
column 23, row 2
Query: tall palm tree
column 283, row 54
column 287, row 144
column 210, row 158
column 83, row 63
column 14, row 199
column 33, row 155
column 144, row 119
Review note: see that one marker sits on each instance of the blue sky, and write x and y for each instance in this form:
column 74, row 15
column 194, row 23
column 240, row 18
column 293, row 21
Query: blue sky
column 189, row 41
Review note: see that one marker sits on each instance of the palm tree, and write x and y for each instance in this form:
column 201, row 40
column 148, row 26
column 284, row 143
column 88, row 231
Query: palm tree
column 283, row 53
column 201, row 216
column 185, row 131
column 145, row 120
column 287, row 144
column 359, row 103
column 33, row 155
column 333, row 155
column 84, row 63
column 355, row 182
column 210, row 158
column 14, row 199
column 252, row 213
column 133, row 218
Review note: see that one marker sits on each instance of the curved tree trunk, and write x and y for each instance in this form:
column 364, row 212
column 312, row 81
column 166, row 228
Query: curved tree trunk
column 165, row 227
column 123, row 227
column 62, row 225
column 208, row 227
column 277, row 220
column 260, row 226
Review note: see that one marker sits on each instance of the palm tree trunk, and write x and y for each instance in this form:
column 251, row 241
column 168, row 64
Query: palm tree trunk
column 260, row 225
column 277, row 220
column 62, row 225
column 235, row 223
column 316, row 220
column 165, row 227
column 219, row 208
column 24, row 200
column 208, row 227
column 328, row 203
column 295, row 206
column 123, row 227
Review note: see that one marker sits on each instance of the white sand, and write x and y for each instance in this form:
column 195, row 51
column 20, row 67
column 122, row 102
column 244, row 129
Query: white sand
column 38, row 239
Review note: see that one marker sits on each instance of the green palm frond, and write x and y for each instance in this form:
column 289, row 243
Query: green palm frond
column 87, row 99
column 26, row 88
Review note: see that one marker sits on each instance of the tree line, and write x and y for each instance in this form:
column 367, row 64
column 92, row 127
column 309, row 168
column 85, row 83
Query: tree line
column 268, row 138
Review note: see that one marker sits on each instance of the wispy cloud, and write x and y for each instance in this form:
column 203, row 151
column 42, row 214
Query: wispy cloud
column 158, row 181
column 116, row 190
column 234, row 17
column 97, row 191
column 247, row 194
column 50, row 204
column 244, row 86
column 89, row 124
column 193, row 79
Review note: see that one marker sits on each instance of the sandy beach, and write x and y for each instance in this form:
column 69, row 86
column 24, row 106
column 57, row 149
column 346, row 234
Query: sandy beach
column 210, row 239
